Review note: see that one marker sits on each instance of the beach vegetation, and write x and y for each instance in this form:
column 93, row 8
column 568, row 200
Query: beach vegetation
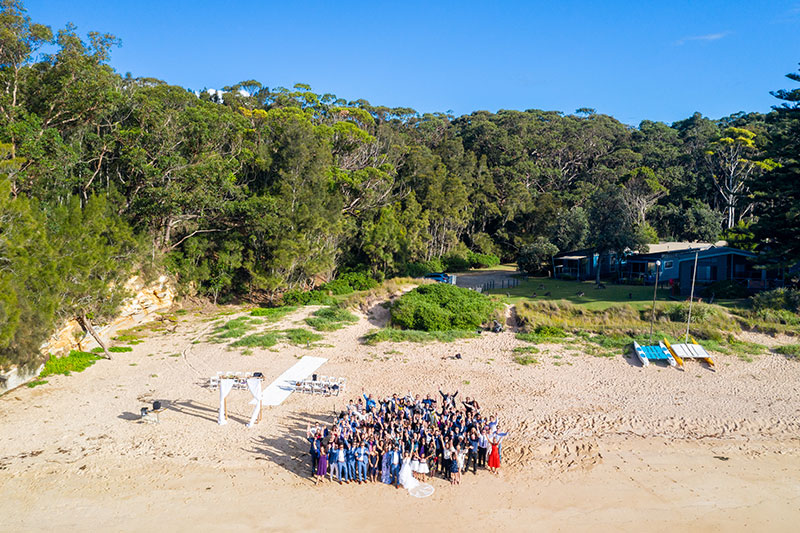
column 791, row 350
column 409, row 335
column 300, row 336
column 258, row 340
column 259, row 194
column 272, row 314
column 330, row 318
column 442, row 307
column 75, row 361
column 525, row 359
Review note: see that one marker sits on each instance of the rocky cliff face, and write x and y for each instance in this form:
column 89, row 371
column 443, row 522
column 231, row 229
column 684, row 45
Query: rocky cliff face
column 147, row 300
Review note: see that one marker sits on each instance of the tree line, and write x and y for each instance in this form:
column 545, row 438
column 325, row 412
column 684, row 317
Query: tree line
column 249, row 191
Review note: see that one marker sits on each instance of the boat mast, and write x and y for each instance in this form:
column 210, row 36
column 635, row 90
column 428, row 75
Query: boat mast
column 691, row 298
column 655, row 291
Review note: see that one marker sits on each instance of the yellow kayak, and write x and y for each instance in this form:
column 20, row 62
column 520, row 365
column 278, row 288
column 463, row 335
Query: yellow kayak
column 706, row 359
column 675, row 355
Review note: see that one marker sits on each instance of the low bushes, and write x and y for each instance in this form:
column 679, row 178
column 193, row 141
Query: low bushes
column 409, row 335
column 74, row 362
column 452, row 262
column 323, row 295
column 258, row 340
column 298, row 297
column 441, row 307
column 273, row 314
column 791, row 350
column 331, row 319
column 301, row 336
column 477, row 260
column 727, row 289
column 419, row 269
column 777, row 299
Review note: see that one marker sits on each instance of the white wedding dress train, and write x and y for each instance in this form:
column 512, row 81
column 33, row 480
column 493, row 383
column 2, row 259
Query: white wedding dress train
column 410, row 483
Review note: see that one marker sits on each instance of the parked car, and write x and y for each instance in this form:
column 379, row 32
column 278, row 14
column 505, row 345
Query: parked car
column 441, row 277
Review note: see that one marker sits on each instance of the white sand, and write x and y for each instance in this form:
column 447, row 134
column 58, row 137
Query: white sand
column 595, row 443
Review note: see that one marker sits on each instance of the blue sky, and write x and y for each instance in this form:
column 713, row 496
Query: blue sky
column 633, row 60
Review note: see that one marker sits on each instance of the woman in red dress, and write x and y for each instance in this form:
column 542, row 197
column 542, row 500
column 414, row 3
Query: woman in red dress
column 494, row 455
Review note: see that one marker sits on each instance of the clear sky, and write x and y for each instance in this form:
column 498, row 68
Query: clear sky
column 631, row 59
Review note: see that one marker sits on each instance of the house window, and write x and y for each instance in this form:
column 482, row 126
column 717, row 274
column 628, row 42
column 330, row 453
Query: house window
column 668, row 264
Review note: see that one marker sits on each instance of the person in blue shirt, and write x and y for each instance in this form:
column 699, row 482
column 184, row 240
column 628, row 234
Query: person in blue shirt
column 370, row 405
column 361, row 463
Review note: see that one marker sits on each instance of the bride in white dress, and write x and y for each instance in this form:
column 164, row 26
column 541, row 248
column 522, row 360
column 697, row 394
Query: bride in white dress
column 406, row 477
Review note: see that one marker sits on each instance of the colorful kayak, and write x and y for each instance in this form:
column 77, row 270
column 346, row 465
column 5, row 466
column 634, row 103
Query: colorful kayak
column 691, row 350
column 653, row 353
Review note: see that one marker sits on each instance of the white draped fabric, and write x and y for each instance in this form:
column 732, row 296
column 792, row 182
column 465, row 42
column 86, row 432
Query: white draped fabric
column 254, row 386
column 225, row 386
column 410, row 483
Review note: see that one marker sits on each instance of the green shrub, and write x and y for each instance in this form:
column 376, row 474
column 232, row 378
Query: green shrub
column 777, row 316
column 272, row 314
column 700, row 312
column 359, row 281
column 792, row 350
column 337, row 314
column 727, row 289
column 535, row 258
column 525, row 360
column 259, row 340
column 74, row 362
column 301, row 336
column 478, row 260
column 454, row 262
column 298, row 297
column 441, row 307
column 337, row 287
column 550, row 331
column 120, row 349
column 418, row 270
column 526, row 349
column 331, row 318
column 777, row 299
column 234, row 328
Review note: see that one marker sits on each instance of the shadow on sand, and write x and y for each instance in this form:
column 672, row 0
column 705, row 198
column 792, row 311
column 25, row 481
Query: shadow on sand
column 290, row 449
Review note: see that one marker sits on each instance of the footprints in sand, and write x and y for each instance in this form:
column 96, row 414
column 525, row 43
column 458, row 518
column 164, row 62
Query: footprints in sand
column 575, row 456
column 563, row 456
column 569, row 441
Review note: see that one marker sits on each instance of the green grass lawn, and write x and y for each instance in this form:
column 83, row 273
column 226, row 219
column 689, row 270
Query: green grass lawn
column 505, row 267
column 593, row 298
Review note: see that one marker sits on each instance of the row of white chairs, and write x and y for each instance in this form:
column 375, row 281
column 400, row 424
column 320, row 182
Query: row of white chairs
column 240, row 377
column 325, row 385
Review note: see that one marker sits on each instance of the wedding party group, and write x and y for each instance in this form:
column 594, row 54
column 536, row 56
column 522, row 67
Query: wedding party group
column 404, row 440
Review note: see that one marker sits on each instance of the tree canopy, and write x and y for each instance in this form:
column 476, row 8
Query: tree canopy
column 252, row 191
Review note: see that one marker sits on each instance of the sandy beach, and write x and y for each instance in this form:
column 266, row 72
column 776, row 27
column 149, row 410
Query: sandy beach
column 595, row 443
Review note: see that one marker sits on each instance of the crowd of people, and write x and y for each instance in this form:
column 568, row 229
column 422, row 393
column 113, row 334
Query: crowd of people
column 404, row 440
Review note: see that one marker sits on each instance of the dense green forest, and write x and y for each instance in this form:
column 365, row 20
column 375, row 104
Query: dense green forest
column 250, row 191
